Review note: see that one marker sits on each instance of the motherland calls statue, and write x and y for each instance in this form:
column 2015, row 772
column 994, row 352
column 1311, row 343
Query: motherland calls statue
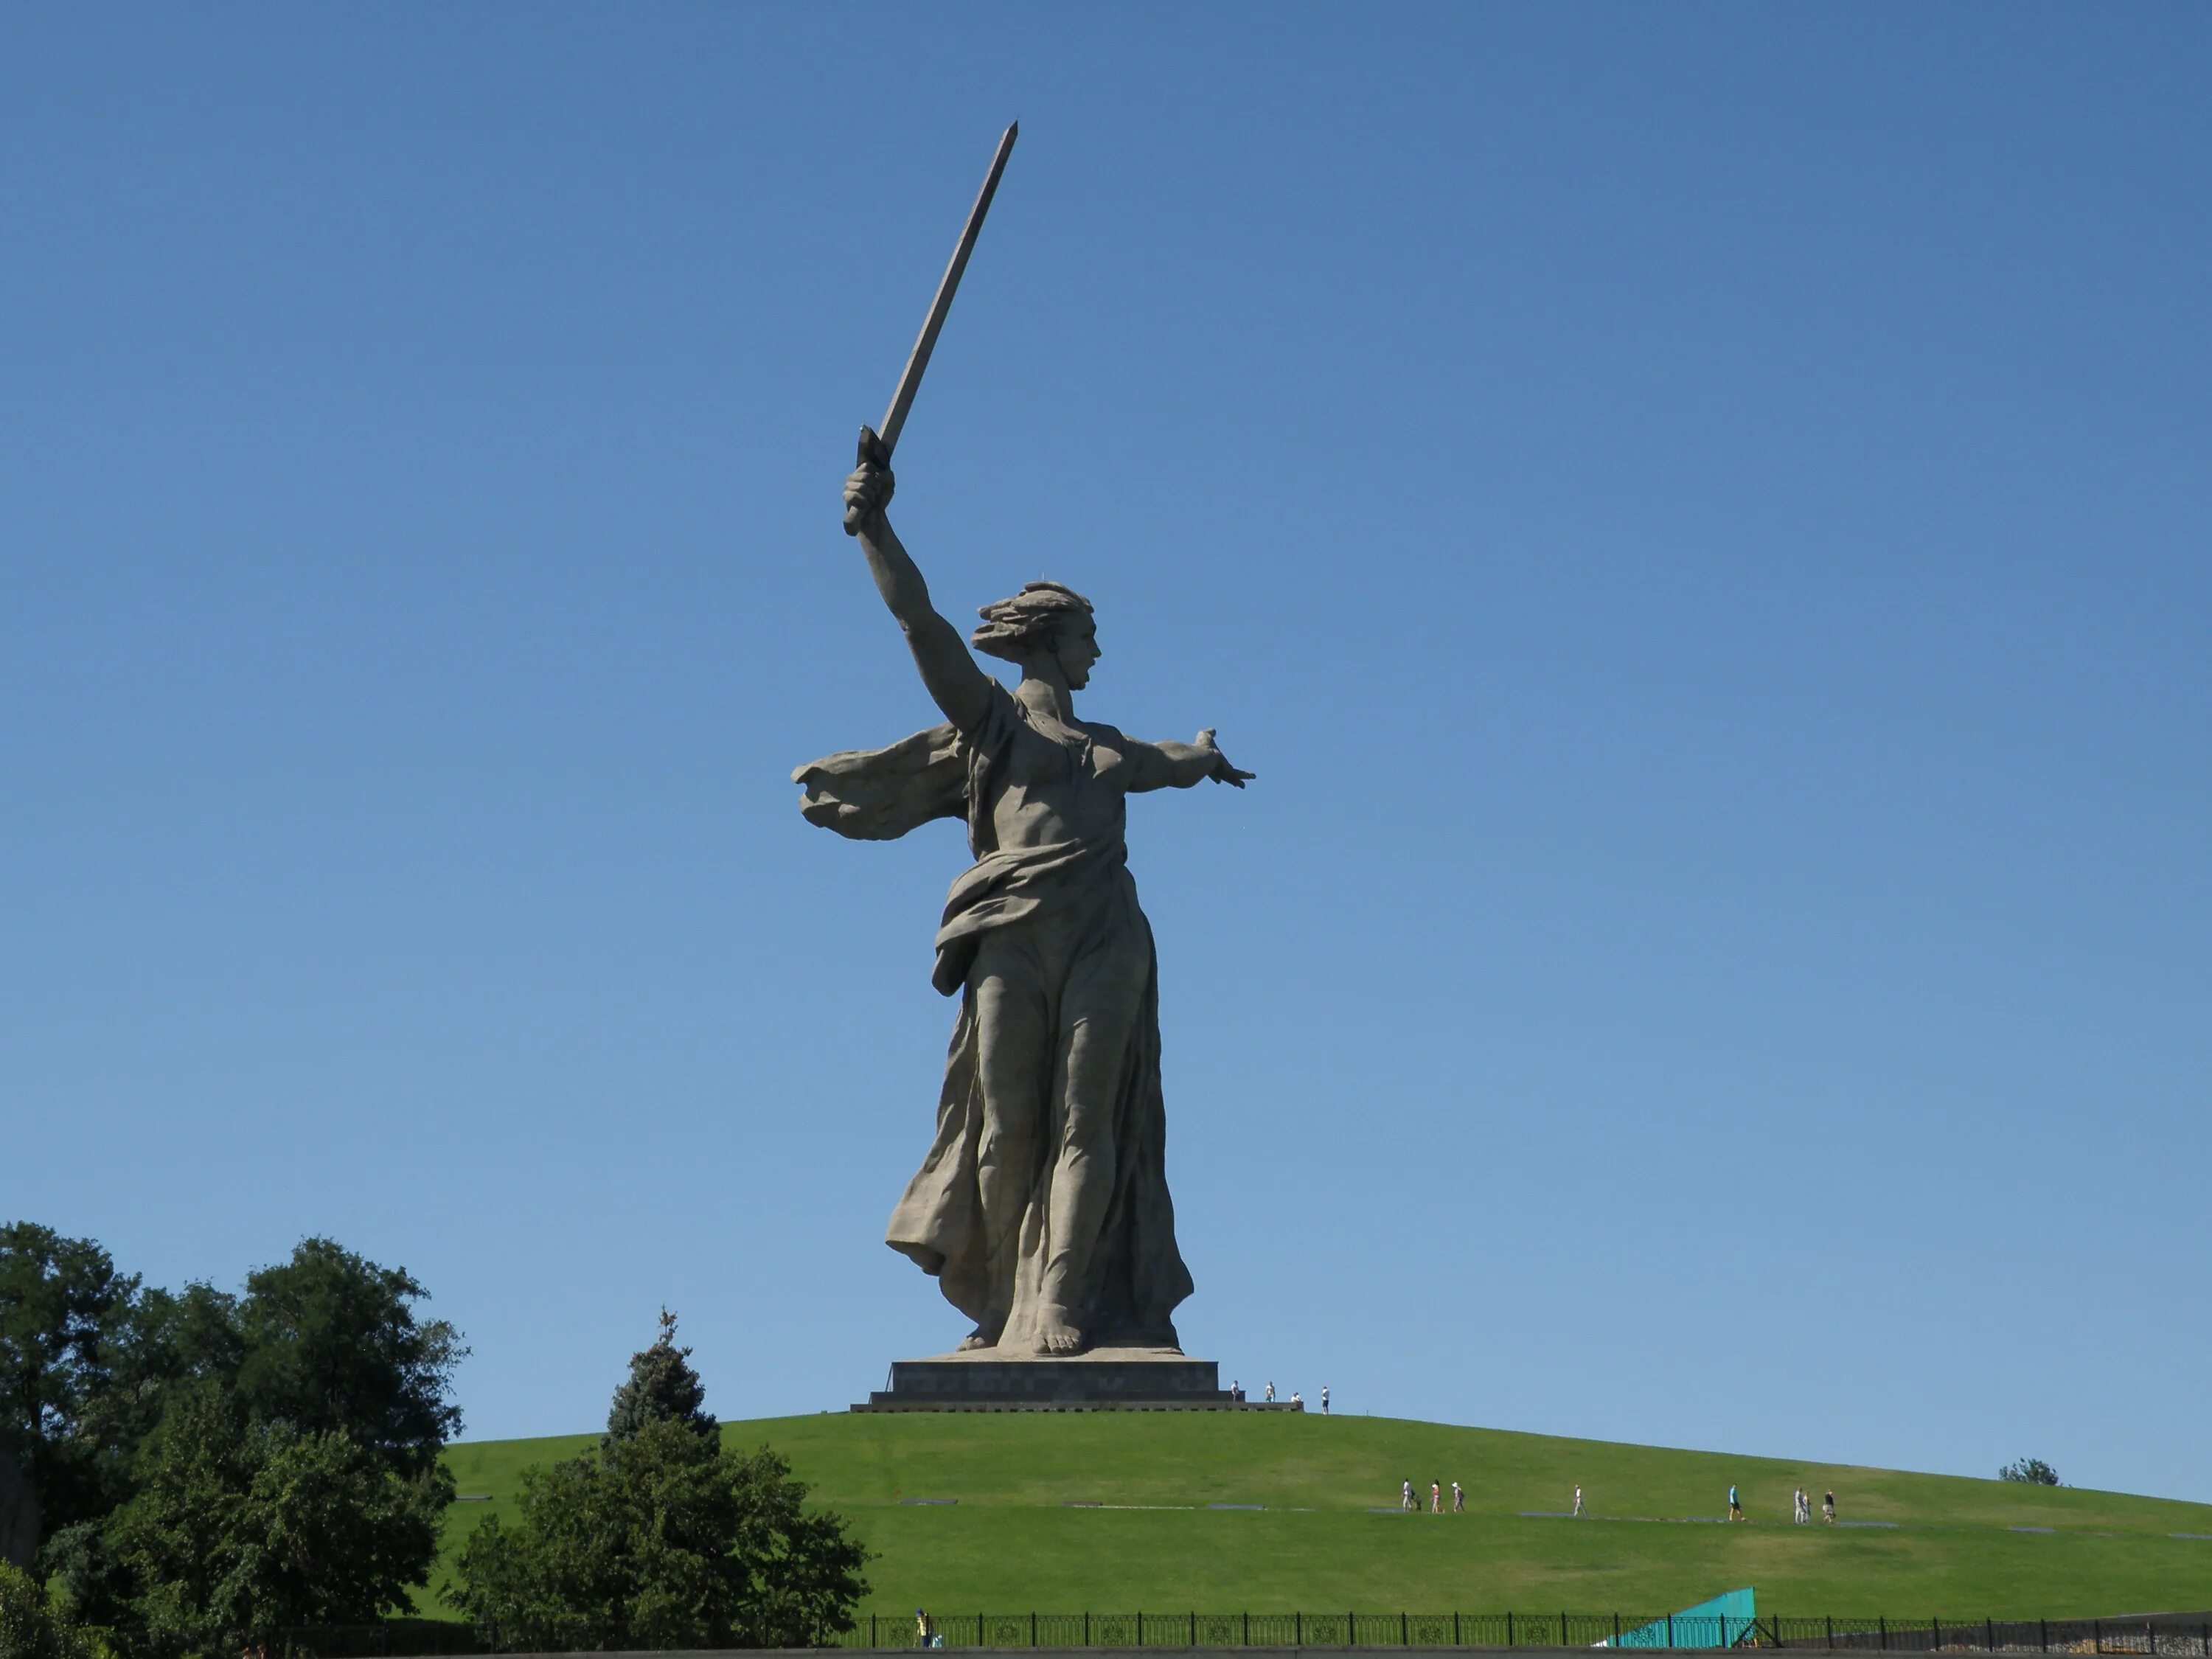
column 1042, row 1206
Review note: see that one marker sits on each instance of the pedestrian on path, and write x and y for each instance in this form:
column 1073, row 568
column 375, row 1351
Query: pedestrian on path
column 1324, row 1399
column 1271, row 1391
column 1735, row 1509
column 1828, row 1508
column 1578, row 1500
column 1405, row 1497
column 1436, row 1497
column 1459, row 1499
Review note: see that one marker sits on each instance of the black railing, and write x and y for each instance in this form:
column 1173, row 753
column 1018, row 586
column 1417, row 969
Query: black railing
column 1933, row 1635
column 2166, row 1636
column 2169, row 1637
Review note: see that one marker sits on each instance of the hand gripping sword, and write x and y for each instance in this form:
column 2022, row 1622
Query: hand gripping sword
column 877, row 443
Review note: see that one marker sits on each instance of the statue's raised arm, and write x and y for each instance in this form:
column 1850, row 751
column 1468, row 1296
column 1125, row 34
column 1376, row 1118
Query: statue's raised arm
column 956, row 685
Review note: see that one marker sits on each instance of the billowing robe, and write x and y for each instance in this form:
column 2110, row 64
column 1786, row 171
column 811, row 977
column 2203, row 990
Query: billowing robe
column 1071, row 899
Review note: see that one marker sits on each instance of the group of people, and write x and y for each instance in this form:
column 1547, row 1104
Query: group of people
column 1801, row 1506
column 1409, row 1501
column 1236, row 1396
column 1801, row 1501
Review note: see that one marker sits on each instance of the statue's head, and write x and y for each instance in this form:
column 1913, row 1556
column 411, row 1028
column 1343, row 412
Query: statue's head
column 1044, row 621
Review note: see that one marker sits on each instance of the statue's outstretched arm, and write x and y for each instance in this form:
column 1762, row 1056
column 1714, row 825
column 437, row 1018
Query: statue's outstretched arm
column 954, row 682
column 1179, row 765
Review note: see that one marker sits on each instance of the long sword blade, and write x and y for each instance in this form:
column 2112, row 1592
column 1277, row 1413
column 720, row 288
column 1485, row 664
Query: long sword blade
column 910, row 382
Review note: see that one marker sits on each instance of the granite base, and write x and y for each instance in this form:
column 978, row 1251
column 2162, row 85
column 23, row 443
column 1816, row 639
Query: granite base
column 1105, row 1379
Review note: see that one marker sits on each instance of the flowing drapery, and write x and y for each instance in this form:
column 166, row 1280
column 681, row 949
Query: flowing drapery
column 1057, row 907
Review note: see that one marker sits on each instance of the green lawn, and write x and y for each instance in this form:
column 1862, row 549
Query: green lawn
column 1013, row 1543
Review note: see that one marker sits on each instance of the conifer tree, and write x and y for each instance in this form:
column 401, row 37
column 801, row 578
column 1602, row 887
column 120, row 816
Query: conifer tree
column 661, row 1387
column 660, row 1539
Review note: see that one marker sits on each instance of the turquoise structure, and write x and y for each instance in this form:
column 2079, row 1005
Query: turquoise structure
column 1720, row 1622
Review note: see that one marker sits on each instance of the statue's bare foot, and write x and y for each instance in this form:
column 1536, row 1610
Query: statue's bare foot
column 1057, row 1333
column 975, row 1339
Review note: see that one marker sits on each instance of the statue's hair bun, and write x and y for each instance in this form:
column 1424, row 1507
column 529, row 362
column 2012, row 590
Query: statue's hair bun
column 1013, row 628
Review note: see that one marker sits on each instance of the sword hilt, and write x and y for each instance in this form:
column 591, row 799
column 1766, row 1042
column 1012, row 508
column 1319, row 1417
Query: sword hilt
column 873, row 451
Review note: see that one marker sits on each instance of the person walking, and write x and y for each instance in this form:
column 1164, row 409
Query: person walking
column 1405, row 1497
column 1271, row 1391
column 1459, row 1499
column 1736, row 1508
column 1828, row 1508
column 1324, row 1399
column 921, row 1628
column 1436, row 1497
column 1578, row 1501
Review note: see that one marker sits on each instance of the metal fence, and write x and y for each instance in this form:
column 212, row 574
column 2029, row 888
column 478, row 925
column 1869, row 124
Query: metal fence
column 1272, row 1629
column 1535, row 1630
column 1933, row 1635
column 2169, row 1637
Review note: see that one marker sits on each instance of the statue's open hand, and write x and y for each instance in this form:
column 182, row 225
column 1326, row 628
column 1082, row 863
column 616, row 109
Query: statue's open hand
column 1223, row 772
column 868, row 486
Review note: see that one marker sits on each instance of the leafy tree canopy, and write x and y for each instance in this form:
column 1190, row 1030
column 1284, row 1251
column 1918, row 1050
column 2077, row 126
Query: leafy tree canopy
column 2030, row 1472
column 201, row 1457
column 29, row 1628
column 661, row 1387
column 245, row 1525
column 663, row 1540
column 63, row 1310
column 329, row 1340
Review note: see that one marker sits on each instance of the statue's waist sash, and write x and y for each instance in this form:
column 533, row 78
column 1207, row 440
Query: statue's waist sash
column 1016, row 885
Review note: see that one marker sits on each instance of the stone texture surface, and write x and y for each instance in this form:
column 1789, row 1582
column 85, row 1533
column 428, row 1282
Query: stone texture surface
column 1103, row 1379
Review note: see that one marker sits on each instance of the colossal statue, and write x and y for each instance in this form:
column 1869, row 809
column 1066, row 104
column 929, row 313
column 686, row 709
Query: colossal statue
column 1042, row 1206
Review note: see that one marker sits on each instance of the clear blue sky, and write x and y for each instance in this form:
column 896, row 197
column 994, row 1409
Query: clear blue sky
column 1697, row 515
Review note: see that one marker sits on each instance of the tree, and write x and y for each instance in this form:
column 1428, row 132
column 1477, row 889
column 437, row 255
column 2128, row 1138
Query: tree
column 63, row 1308
column 660, row 1538
column 661, row 1387
column 329, row 1341
column 290, row 1474
column 163, row 1341
column 29, row 1628
column 246, row 1525
column 82, row 1572
column 205, row 1460
column 2030, row 1472
column 19, row 1511
column 803, row 1570
column 89, row 1358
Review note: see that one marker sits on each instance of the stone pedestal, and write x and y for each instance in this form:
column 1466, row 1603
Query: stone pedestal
column 1105, row 1379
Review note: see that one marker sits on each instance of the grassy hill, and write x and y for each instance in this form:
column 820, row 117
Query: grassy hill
column 1014, row 1541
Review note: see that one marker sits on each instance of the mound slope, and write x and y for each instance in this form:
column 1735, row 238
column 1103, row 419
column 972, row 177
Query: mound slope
column 1110, row 1512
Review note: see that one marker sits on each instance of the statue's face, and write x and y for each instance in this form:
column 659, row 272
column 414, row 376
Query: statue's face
column 1077, row 648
